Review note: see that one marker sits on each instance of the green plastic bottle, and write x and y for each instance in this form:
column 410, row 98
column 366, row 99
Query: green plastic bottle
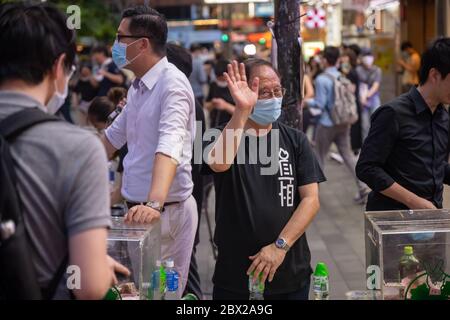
column 256, row 288
column 321, row 284
column 409, row 266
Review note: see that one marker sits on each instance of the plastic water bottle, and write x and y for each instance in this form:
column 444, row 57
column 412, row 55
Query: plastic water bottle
column 156, row 290
column 111, row 176
column 256, row 288
column 321, row 284
column 171, row 281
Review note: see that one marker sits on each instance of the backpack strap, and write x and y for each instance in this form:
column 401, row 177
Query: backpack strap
column 15, row 124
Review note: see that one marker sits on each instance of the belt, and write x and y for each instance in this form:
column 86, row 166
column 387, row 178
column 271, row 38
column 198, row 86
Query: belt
column 131, row 204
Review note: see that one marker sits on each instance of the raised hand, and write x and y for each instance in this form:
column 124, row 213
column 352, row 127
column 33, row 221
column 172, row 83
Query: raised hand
column 244, row 96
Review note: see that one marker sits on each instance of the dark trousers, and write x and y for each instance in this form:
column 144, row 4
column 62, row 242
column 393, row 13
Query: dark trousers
column 223, row 294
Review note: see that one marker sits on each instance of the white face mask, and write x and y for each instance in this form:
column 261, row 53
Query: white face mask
column 58, row 99
column 368, row 60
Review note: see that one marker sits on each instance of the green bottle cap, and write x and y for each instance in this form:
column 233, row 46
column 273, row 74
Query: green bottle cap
column 408, row 250
column 321, row 270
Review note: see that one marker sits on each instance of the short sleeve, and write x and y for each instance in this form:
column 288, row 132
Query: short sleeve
column 308, row 168
column 88, row 206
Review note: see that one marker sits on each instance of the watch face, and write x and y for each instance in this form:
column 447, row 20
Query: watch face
column 280, row 243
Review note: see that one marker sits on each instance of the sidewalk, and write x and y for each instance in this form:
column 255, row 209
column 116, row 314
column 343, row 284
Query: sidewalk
column 335, row 237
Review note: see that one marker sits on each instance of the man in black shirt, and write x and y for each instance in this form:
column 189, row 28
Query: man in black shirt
column 261, row 217
column 219, row 100
column 108, row 74
column 405, row 157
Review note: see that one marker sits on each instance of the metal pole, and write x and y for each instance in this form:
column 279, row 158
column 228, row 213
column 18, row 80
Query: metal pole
column 287, row 28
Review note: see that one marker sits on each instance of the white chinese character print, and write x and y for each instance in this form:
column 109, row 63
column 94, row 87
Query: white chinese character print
column 286, row 179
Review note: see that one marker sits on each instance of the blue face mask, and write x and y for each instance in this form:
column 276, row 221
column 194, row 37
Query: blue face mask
column 266, row 111
column 119, row 54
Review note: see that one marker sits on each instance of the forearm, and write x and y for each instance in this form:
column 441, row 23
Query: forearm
column 225, row 148
column 164, row 170
column 116, row 78
column 110, row 150
column 116, row 195
column 400, row 194
column 373, row 89
column 300, row 220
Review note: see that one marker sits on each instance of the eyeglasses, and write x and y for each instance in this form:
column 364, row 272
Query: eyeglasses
column 119, row 37
column 278, row 92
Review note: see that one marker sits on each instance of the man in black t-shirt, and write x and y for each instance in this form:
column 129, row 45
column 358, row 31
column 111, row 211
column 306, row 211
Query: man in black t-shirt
column 262, row 207
column 219, row 100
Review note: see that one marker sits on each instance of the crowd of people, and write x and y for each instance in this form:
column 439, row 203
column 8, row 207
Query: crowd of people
column 143, row 99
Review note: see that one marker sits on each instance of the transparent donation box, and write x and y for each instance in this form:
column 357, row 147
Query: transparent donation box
column 408, row 254
column 137, row 247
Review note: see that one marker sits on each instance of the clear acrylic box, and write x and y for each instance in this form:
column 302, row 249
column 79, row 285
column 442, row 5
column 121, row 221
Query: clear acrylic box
column 387, row 233
column 137, row 247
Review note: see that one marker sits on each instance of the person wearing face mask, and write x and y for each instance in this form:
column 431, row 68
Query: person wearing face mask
column 261, row 217
column 219, row 101
column 369, row 89
column 158, row 125
column 84, row 92
column 61, row 170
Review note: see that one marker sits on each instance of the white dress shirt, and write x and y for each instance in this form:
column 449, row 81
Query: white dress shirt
column 159, row 118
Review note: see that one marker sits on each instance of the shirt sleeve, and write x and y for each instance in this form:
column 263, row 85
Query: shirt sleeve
column 88, row 206
column 378, row 76
column 173, row 125
column 377, row 148
column 116, row 132
column 308, row 168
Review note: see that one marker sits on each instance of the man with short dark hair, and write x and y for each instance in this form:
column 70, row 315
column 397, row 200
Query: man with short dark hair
column 107, row 75
column 158, row 124
column 61, row 170
column 327, row 132
column 405, row 157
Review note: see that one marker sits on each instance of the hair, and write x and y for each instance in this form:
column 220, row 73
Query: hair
column 101, row 49
column 331, row 55
column 33, row 37
column 352, row 56
column 116, row 94
column 195, row 47
column 436, row 56
column 100, row 109
column 406, row 45
column 355, row 48
column 180, row 57
column 254, row 63
column 220, row 67
column 150, row 23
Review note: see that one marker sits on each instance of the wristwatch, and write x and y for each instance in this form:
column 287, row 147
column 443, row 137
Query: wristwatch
column 155, row 205
column 282, row 244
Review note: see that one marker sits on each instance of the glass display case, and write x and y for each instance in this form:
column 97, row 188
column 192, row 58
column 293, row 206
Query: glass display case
column 408, row 254
column 137, row 247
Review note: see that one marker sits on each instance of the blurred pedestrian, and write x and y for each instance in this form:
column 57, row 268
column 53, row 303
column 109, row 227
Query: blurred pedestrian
column 410, row 62
column 108, row 75
column 198, row 77
column 370, row 77
column 327, row 131
column 84, row 91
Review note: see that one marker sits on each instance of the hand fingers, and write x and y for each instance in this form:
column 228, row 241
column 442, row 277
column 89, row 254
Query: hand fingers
column 255, row 85
column 272, row 274
column 137, row 215
column 143, row 217
column 120, row 268
column 242, row 71
column 265, row 273
column 228, row 79
column 114, row 279
column 236, row 70
column 231, row 73
column 259, row 270
column 130, row 214
column 254, row 257
column 252, row 267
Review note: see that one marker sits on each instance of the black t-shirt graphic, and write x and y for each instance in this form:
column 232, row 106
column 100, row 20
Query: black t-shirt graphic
column 252, row 209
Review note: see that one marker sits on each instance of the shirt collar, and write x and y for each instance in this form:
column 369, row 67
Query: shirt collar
column 17, row 98
column 419, row 101
column 152, row 76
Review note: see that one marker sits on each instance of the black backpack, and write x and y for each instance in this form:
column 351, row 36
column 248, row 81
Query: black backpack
column 18, row 280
